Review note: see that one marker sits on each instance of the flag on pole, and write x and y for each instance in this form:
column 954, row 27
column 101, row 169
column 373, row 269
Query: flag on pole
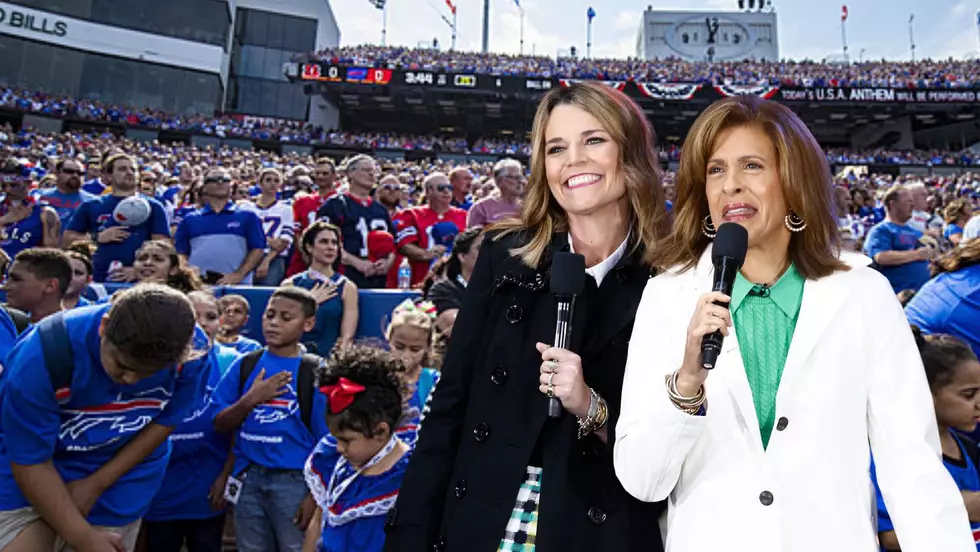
column 843, row 12
column 452, row 7
column 911, row 18
column 518, row 2
column 591, row 13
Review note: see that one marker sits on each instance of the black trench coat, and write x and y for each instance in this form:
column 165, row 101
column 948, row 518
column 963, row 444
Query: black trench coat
column 487, row 416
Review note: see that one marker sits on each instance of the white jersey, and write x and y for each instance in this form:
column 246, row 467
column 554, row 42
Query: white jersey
column 277, row 220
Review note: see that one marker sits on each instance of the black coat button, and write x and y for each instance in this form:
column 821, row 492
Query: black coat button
column 765, row 497
column 439, row 545
column 481, row 433
column 460, row 490
column 782, row 423
column 514, row 314
column 597, row 516
column 499, row 375
column 390, row 518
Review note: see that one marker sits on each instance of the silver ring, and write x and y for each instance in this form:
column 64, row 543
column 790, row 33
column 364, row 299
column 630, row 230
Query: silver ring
column 552, row 366
column 551, row 377
column 550, row 391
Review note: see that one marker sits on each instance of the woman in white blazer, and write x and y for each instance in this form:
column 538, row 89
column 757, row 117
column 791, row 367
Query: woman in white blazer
column 769, row 451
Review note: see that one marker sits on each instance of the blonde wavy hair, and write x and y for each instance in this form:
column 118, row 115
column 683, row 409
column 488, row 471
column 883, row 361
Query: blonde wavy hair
column 541, row 215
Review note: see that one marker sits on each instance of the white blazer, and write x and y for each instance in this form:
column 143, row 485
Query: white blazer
column 853, row 375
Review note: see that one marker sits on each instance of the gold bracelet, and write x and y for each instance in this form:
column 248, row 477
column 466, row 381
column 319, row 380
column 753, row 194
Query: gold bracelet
column 688, row 405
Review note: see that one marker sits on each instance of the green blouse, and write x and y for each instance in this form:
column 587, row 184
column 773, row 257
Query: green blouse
column 764, row 320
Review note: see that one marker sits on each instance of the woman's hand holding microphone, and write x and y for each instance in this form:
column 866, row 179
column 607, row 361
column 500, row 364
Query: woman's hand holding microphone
column 708, row 318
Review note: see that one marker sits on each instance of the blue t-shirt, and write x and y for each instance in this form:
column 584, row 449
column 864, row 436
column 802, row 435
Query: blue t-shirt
column 888, row 236
column 64, row 204
column 197, row 458
column 95, row 216
column 226, row 356
column 243, row 345
column 83, row 428
column 950, row 303
column 94, row 187
column 273, row 435
column 964, row 473
column 23, row 234
column 8, row 337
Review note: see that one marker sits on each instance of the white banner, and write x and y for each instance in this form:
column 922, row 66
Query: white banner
column 74, row 33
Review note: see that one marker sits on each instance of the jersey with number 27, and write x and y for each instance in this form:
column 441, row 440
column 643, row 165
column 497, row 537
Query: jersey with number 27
column 277, row 220
column 356, row 219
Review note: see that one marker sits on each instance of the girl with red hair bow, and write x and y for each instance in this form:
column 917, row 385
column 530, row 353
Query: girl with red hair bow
column 355, row 472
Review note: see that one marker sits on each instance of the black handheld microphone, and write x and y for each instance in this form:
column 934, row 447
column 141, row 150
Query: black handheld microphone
column 727, row 254
column 567, row 281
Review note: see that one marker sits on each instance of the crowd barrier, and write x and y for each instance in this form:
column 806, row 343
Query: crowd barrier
column 374, row 306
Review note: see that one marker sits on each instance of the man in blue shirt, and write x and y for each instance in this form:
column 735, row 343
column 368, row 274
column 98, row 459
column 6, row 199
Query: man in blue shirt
column 86, row 458
column 223, row 242
column 115, row 241
column 895, row 246
column 272, row 439
column 67, row 194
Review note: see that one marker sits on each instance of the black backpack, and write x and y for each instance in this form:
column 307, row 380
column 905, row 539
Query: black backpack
column 21, row 321
column 304, row 381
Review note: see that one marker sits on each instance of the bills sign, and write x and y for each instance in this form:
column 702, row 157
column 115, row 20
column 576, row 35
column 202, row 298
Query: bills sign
column 877, row 95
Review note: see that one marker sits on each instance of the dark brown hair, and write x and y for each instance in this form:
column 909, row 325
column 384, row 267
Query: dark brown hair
column 152, row 325
column 541, row 215
column 47, row 264
column 185, row 279
column 803, row 173
column 80, row 257
column 384, row 394
column 309, row 236
column 941, row 355
column 962, row 256
column 300, row 295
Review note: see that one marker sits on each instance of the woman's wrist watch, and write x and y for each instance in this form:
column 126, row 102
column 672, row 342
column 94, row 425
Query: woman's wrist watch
column 597, row 416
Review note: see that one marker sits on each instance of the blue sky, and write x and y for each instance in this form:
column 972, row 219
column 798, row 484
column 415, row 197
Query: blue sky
column 807, row 28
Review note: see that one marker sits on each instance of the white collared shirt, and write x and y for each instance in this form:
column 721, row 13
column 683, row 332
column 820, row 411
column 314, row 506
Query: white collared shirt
column 599, row 271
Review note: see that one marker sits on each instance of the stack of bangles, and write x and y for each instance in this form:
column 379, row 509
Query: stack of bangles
column 598, row 413
column 689, row 405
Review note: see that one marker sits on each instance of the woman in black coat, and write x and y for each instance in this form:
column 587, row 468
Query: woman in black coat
column 491, row 470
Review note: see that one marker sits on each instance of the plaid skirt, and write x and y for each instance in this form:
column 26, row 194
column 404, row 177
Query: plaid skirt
column 522, row 528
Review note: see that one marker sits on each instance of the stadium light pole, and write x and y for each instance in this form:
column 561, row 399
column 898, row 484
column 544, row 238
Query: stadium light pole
column 912, row 35
column 486, row 26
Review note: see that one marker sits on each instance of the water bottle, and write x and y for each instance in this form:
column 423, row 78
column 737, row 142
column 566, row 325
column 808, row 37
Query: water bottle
column 404, row 274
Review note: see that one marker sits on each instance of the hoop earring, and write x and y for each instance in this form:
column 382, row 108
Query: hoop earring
column 708, row 228
column 794, row 223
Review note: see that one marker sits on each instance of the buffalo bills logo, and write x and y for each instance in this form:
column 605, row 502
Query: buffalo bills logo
column 203, row 407
column 277, row 409
column 90, row 427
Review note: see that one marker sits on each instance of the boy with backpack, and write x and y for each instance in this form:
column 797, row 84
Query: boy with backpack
column 87, row 401
column 267, row 397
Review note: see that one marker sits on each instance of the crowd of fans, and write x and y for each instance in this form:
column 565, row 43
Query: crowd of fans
column 318, row 230
column 920, row 74
column 304, row 133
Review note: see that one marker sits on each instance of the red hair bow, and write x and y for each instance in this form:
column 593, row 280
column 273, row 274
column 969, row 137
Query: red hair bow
column 341, row 394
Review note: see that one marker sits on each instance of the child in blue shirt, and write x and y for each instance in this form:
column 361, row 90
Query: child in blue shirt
column 410, row 335
column 190, row 507
column 262, row 405
column 355, row 472
column 82, row 461
column 954, row 378
column 234, row 317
